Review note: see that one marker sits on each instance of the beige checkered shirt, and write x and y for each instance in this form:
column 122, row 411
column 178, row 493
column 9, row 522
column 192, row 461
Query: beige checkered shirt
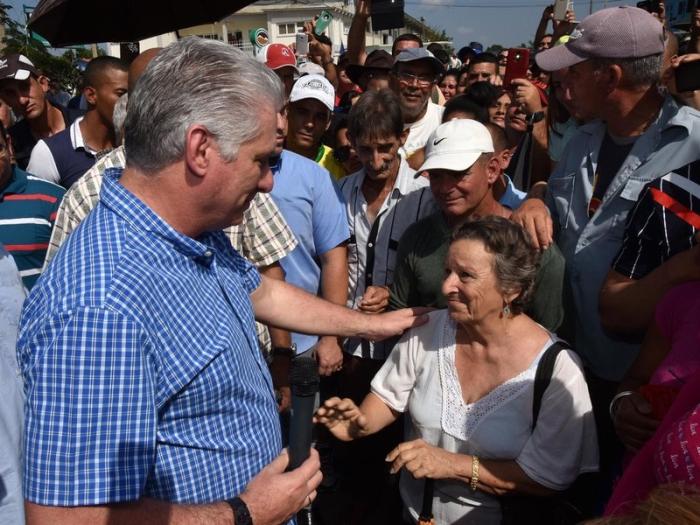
column 263, row 238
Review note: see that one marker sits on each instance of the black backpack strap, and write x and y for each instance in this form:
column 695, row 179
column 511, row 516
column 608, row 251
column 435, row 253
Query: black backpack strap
column 543, row 377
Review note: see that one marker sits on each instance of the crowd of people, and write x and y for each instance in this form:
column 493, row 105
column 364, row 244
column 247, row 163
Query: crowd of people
column 497, row 275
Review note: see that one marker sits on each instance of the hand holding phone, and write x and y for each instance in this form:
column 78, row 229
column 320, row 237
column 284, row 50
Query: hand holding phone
column 516, row 65
column 651, row 6
column 323, row 20
column 302, row 44
column 688, row 75
column 560, row 9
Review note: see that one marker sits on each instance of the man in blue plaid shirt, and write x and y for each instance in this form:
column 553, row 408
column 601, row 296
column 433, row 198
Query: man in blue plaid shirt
column 148, row 400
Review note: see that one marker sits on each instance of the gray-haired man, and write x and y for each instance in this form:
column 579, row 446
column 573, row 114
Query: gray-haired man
column 147, row 398
column 636, row 135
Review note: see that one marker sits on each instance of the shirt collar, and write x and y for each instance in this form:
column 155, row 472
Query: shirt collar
column 76, row 135
column 77, row 141
column 126, row 205
column 18, row 182
column 673, row 114
column 670, row 115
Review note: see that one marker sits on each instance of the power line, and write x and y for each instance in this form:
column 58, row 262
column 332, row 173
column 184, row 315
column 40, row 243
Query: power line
column 496, row 5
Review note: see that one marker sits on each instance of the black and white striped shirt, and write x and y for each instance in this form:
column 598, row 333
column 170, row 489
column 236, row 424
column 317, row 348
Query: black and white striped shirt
column 663, row 223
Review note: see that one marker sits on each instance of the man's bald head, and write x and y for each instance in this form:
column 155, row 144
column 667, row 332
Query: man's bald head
column 139, row 64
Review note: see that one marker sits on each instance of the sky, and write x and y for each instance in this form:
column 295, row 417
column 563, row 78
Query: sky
column 504, row 22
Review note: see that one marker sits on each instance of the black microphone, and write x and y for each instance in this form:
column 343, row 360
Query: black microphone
column 304, row 381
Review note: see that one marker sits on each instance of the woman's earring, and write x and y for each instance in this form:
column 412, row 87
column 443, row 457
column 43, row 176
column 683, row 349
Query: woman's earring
column 506, row 311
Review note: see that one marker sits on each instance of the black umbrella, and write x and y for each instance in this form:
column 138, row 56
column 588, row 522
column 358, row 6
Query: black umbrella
column 72, row 22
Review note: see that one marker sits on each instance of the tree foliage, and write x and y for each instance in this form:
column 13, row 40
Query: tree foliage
column 59, row 69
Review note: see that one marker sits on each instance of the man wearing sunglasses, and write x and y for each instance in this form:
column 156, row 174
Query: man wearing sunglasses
column 414, row 76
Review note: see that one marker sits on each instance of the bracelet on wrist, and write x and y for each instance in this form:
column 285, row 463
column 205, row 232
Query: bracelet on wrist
column 474, row 481
column 284, row 351
column 611, row 408
column 537, row 116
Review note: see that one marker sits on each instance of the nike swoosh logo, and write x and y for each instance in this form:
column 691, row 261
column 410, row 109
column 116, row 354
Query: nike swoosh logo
column 436, row 142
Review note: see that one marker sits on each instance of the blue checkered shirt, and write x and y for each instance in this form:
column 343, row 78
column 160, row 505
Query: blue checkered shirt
column 142, row 372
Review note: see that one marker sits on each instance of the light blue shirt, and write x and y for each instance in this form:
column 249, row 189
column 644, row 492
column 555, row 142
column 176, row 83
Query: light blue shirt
column 590, row 245
column 11, row 396
column 312, row 205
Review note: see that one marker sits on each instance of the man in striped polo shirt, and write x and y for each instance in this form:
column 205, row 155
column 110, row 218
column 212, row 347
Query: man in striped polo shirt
column 27, row 212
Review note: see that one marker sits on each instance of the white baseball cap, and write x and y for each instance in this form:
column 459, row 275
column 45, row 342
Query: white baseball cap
column 316, row 87
column 310, row 68
column 456, row 145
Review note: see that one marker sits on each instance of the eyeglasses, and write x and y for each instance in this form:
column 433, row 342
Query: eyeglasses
column 409, row 78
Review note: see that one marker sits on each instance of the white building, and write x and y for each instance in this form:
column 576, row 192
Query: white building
column 282, row 20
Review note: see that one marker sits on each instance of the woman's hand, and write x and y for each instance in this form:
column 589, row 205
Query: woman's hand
column 634, row 422
column 422, row 460
column 526, row 94
column 564, row 27
column 343, row 418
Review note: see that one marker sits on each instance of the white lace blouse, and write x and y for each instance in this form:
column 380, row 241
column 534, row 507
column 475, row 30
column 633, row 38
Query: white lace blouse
column 420, row 378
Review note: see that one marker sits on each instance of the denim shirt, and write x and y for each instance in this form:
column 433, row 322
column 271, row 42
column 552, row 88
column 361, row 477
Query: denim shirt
column 590, row 245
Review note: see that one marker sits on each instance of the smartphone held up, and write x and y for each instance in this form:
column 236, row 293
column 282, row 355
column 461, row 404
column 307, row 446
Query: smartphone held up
column 517, row 65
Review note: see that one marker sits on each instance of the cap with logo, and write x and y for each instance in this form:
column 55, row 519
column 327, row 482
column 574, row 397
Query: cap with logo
column 616, row 32
column 276, row 56
column 17, row 67
column 456, row 145
column 413, row 54
column 316, row 87
column 376, row 60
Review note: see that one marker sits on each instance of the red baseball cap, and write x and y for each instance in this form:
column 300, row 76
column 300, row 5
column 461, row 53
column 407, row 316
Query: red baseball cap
column 276, row 56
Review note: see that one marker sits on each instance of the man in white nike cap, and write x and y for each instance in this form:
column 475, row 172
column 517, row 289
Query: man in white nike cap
column 462, row 169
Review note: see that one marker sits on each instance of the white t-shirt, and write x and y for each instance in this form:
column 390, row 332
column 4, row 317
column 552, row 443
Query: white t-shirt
column 420, row 377
column 420, row 130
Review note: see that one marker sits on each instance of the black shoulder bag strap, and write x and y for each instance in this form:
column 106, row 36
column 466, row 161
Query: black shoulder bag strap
column 543, row 376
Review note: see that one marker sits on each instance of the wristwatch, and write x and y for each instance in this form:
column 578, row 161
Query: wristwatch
column 241, row 514
column 285, row 351
column 535, row 117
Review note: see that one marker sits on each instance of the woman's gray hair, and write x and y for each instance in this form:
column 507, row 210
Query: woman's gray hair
column 197, row 81
column 119, row 116
column 637, row 72
column 515, row 261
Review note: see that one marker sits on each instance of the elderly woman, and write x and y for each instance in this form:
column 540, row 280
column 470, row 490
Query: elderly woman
column 466, row 380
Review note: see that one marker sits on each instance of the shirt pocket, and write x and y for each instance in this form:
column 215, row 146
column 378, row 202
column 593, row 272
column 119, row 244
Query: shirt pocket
column 618, row 210
column 632, row 189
